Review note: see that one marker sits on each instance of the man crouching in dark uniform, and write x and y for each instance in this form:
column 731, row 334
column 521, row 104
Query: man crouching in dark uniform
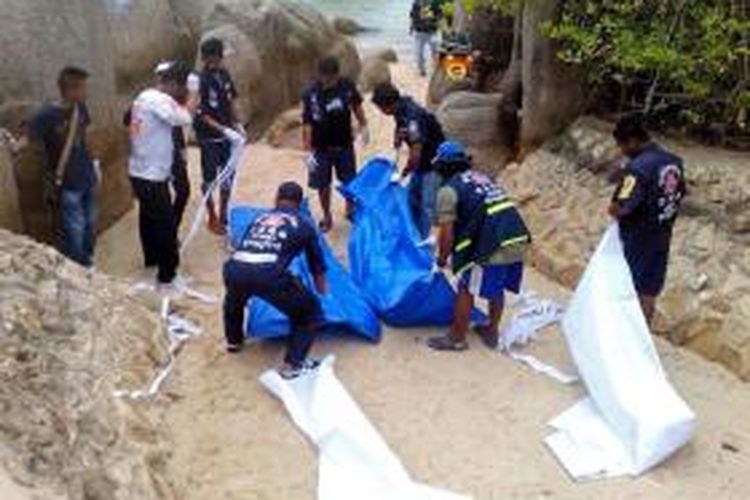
column 259, row 268
column 646, row 204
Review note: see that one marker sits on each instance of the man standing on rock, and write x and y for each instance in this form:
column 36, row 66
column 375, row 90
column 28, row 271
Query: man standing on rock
column 217, row 127
column 154, row 115
column 422, row 132
column 484, row 235
column 425, row 20
column 646, row 204
column 259, row 268
column 327, row 133
column 72, row 176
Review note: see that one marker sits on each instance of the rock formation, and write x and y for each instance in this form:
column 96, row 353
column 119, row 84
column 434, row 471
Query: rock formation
column 564, row 192
column 69, row 340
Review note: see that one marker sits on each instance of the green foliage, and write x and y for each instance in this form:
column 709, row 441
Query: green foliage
column 662, row 51
column 506, row 6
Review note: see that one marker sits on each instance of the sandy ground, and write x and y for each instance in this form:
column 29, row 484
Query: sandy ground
column 471, row 422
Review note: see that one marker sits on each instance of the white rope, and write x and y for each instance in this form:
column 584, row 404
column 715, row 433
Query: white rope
column 227, row 175
column 177, row 330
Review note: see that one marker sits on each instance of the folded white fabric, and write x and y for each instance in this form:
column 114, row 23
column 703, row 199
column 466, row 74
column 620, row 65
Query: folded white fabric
column 633, row 418
column 355, row 462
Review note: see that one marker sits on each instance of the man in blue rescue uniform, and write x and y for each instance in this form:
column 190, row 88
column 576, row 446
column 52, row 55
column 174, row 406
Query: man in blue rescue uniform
column 483, row 234
column 217, row 126
column 327, row 132
column 422, row 133
column 646, row 204
column 259, row 268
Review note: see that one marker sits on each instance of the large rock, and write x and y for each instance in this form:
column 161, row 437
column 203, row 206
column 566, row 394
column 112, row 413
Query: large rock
column 441, row 85
column 38, row 38
column 9, row 209
column 563, row 191
column 375, row 71
column 477, row 120
column 347, row 26
column 145, row 32
column 274, row 49
column 69, row 340
column 553, row 93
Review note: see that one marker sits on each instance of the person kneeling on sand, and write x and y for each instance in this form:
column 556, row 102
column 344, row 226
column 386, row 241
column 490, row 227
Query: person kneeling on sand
column 483, row 234
column 259, row 268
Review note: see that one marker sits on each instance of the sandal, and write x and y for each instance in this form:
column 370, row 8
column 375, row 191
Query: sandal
column 490, row 339
column 447, row 343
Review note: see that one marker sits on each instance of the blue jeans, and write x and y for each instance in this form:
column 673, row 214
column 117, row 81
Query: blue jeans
column 423, row 190
column 78, row 225
column 421, row 42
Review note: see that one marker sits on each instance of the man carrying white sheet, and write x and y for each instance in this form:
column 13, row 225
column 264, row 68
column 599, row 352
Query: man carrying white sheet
column 646, row 203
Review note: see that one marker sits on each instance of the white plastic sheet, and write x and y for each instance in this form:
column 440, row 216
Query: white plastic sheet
column 354, row 461
column 633, row 419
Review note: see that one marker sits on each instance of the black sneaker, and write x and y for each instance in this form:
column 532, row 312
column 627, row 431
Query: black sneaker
column 232, row 348
column 288, row 372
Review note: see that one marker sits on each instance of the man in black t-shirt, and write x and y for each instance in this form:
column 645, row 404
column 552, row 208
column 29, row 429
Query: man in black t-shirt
column 71, row 173
column 217, row 125
column 328, row 106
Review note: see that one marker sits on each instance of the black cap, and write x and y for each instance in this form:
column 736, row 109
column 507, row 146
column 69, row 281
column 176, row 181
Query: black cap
column 385, row 94
column 290, row 191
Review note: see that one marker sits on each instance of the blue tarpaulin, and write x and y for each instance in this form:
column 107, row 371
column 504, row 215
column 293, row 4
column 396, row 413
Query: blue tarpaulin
column 345, row 309
column 386, row 257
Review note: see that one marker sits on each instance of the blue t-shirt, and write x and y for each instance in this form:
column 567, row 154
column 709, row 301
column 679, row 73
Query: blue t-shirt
column 649, row 197
column 49, row 127
column 416, row 125
column 217, row 91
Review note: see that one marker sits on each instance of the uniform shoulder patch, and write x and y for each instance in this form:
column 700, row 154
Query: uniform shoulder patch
column 626, row 187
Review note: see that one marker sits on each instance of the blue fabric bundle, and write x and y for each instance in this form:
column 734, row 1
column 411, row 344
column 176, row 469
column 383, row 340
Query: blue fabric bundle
column 386, row 257
column 345, row 309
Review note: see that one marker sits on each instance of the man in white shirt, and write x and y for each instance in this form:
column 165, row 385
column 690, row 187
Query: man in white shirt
column 155, row 112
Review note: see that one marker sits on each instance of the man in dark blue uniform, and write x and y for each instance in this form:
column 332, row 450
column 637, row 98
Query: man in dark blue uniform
column 217, row 125
column 484, row 235
column 327, row 132
column 646, row 204
column 259, row 268
column 422, row 133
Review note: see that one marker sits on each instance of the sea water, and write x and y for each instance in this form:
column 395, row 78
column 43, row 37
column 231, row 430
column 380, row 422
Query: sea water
column 387, row 22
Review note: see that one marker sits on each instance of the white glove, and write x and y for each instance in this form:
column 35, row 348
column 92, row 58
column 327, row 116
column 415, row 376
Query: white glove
column 233, row 135
column 194, row 83
column 311, row 162
column 240, row 129
column 396, row 177
column 364, row 135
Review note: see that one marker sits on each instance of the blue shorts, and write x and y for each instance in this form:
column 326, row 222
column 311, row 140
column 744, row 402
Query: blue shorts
column 341, row 160
column 215, row 155
column 490, row 282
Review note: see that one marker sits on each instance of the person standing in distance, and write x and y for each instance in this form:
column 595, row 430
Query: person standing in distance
column 422, row 133
column 217, row 127
column 646, row 204
column 425, row 21
column 327, row 132
column 59, row 129
column 258, row 267
column 154, row 115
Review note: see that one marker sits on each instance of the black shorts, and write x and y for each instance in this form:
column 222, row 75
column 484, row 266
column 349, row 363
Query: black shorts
column 342, row 160
column 215, row 155
column 648, row 267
